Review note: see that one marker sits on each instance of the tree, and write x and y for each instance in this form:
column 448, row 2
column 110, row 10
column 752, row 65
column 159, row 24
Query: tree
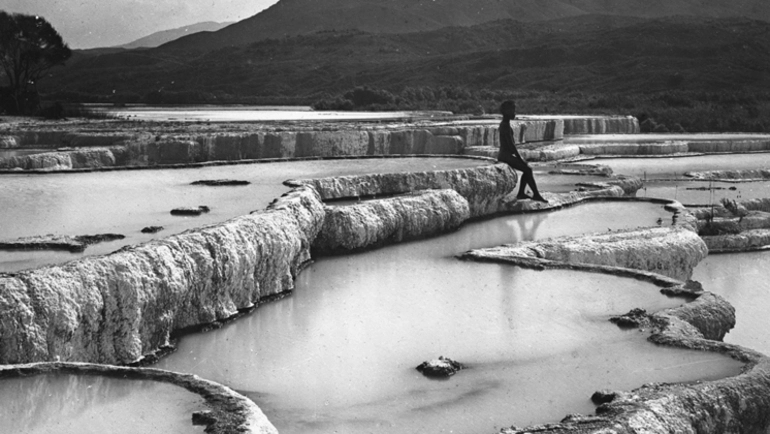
column 29, row 47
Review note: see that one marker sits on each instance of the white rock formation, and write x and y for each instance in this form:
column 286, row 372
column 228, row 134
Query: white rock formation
column 118, row 307
column 387, row 221
column 483, row 187
column 672, row 252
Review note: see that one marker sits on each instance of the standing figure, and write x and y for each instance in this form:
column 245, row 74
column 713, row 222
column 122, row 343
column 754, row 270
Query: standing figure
column 510, row 155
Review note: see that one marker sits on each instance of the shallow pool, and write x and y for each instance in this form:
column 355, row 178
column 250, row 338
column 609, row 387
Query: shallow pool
column 741, row 278
column 675, row 167
column 75, row 404
column 339, row 354
column 124, row 202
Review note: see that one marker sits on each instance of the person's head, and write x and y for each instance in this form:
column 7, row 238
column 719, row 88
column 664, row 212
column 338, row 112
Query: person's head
column 508, row 109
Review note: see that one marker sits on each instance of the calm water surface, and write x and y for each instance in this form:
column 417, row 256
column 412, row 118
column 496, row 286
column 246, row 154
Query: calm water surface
column 665, row 177
column 741, row 278
column 339, row 354
column 126, row 201
column 254, row 114
column 75, row 404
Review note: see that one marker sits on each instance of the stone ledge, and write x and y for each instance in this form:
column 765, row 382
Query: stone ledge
column 119, row 307
column 230, row 411
column 387, row 221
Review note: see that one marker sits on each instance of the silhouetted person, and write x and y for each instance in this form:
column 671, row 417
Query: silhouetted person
column 510, row 155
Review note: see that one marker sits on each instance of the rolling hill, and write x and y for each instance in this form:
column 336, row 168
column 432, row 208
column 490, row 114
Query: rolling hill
column 584, row 53
column 302, row 17
column 162, row 37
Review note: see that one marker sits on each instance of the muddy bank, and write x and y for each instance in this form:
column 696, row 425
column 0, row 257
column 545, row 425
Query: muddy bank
column 119, row 307
column 228, row 411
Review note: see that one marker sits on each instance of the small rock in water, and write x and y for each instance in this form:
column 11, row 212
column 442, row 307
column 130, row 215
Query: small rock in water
column 151, row 229
column 190, row 211
column 220, row 182
column 603, row 396
column 443, row 367
column 203, row 417
column 635, row 318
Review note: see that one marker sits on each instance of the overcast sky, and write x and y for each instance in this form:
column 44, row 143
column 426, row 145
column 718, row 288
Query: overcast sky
column 105, row 23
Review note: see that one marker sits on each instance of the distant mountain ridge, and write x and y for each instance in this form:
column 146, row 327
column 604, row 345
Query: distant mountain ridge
column 299, row 17
column 159, row 38
column 590, row 53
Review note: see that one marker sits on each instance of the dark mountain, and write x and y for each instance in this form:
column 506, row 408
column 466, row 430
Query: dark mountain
column 301, row 17
column 584, row 53
column 162, row 37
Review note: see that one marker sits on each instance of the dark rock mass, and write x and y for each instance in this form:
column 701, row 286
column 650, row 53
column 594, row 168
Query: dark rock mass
column 152, row 229
column 186, row 211
column 220, row 182
column 443, row 367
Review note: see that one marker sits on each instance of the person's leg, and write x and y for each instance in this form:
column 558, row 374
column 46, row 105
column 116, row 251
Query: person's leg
column 527, row 179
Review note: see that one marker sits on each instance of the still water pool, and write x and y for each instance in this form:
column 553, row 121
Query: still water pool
column 339, row 354
column 741, row 278
column 124, row 202
column 70, row 404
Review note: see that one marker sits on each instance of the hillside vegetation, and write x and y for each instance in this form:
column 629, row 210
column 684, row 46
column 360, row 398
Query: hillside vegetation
column 683, row 65
column 302, row 17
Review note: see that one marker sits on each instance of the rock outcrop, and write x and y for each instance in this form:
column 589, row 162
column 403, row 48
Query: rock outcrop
column 731, row 175
column 74, row 244
column 119, row 307
column 443, row 367
column 601, row 125
column 632, row 148
column 95, row 150
column 387, row 221
column 672, row 252
column 220, row 182
column 482, row 187
column 729, row 145
column 190, row 211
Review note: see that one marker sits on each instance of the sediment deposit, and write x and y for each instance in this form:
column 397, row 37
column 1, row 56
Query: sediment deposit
column 387, row 221
column 731, row 175
column 76, row 243
column 482, row 187
column 672, row 252
column 160, row 145
column 122, row 306
column 601, row 125
column 735, row 226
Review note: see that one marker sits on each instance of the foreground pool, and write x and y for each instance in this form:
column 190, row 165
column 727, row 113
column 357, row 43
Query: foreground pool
column 124, row 202
column 74, row 404
column 339, row 353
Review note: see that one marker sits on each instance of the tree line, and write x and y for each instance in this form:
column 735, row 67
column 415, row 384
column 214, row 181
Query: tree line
column 29, row 48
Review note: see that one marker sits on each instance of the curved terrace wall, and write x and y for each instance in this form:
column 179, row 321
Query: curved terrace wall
column 120, row 307
column 118, row 149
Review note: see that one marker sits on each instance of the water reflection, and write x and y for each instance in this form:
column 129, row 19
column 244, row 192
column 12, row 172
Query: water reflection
column 69, row 404
column 741, row 278
column 125, row 202
column 339, row 354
